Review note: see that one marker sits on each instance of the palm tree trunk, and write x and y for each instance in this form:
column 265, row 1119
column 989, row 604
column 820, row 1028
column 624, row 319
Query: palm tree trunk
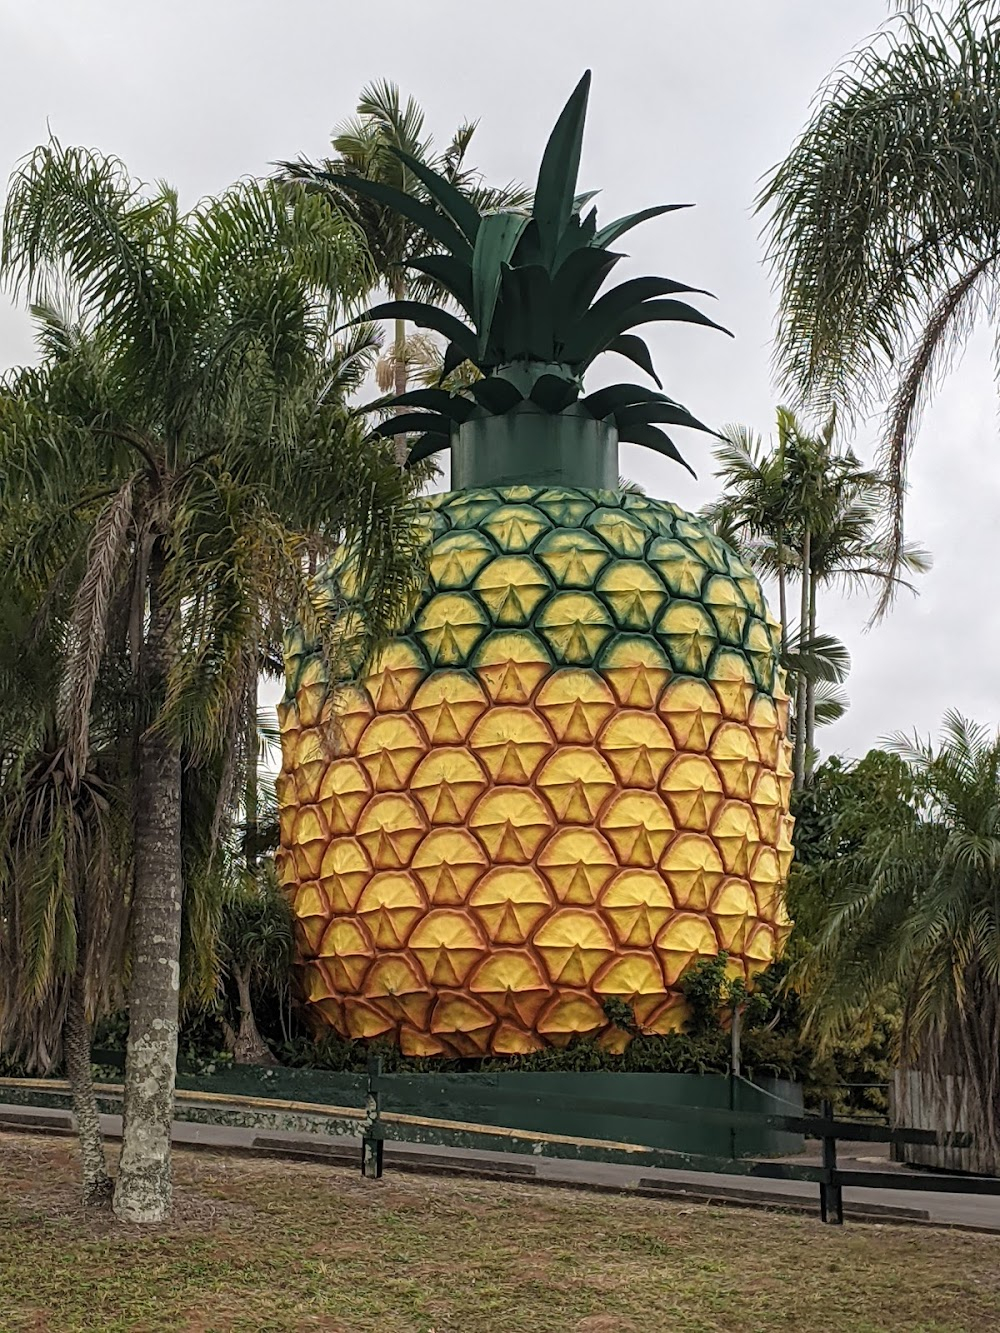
column 97, row 1185
column 399, row 365
column 250, row 795
column 144, row 1189
column 782, row 591
column 250, row 1047
column 799, row 765
column 811, row 692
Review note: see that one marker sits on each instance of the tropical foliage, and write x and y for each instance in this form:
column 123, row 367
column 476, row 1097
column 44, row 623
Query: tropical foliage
column 65, row 865
column 883, row 225
column 171, row 467
column 912, row 891
column 802, row 509
column 255, row 944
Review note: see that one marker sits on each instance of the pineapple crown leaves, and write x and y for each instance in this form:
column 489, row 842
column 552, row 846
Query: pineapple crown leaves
column 528, row 283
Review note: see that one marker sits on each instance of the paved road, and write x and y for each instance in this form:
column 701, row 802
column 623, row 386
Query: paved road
column 979, row 1211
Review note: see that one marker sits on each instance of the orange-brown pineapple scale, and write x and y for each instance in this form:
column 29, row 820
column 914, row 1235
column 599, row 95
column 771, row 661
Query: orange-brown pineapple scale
column 566, row 782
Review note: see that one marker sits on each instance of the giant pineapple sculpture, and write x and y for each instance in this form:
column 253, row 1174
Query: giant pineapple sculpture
column 568, row 779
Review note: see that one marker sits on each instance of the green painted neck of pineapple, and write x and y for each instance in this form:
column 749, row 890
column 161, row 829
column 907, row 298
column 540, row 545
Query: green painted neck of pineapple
column 528, row 446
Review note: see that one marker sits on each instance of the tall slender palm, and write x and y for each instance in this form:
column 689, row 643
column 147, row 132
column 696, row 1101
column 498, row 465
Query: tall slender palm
column 173, row 461
column 883, row 225
column 803, row 509
column 753, row 508
column 916, row 913
column 370, row 145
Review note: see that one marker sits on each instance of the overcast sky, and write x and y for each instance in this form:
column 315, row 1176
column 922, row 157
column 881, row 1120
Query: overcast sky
column 692, row 101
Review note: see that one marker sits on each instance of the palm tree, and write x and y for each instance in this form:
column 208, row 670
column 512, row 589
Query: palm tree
column 256, row 947
column 916, row 915
column 883, row 226
column 174, row 461
column 752, row 512
column 803, row 509
column 387, row 143
column 64, row 870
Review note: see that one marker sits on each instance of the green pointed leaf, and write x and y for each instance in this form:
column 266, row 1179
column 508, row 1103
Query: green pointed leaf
column 526, row 320
column 454, row 357
column 435, row 224
column 596, row 335
column 609, row 234
column 529, row 250
column 450, row 405
column 559, row 169
column 407, row 422
column 582, row 200
column 495, row 244
column 602, row 322
column 670, row 414
column 459, row 208
column 654, row 438
column 575, row 285
column 455, row 275
column 633, row 347
column 574, row 237
column 553, row 393
column 577, row 234
column 650, row 312
column 588, row 228
column 424, row 448
column 615, row 397
column 627, row 294
column 497, row 395
column 425, row 317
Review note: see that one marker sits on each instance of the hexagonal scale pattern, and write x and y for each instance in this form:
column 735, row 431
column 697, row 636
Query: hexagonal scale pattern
column 566, row 782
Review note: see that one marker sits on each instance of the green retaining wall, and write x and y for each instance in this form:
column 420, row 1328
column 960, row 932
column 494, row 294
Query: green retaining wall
column 549, row 1098
column 547, row 1104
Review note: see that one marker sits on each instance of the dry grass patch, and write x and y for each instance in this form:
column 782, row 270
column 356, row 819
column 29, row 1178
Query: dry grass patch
column 269, row 1245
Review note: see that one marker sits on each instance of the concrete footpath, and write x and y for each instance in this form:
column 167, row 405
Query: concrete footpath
column 970, row 1211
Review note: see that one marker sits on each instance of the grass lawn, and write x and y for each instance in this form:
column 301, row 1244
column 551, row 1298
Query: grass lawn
column 268, row 1245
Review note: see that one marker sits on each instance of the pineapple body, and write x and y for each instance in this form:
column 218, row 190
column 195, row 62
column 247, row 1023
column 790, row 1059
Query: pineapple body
column 566, row 782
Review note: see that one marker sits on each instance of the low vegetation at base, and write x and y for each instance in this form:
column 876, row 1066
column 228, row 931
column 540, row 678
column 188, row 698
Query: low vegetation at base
column 852, row 1072
column 284, row 1245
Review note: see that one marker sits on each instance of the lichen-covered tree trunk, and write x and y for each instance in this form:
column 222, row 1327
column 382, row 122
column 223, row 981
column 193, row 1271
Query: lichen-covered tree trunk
column 143, row 1192
column 97, row 1186
column 250, row 1048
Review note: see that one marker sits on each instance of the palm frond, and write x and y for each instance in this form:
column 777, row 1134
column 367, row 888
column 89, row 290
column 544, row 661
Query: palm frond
column 883, row 228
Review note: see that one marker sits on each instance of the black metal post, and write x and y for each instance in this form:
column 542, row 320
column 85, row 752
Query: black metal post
column 831, row 1195
column 371, row 1143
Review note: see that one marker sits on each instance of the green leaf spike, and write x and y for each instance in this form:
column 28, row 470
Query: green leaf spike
column 531, row 284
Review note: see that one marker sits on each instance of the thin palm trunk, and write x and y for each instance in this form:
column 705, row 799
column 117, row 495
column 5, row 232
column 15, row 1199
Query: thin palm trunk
column 144, row 1189
column 97, row 1185
column 399, row 365
column 799, row 766
column 782, row 591
column 251, row 801
column 250, row 1048
column 811, row 692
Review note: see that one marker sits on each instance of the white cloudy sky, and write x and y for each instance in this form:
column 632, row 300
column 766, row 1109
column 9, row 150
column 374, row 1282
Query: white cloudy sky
column 692, row 101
